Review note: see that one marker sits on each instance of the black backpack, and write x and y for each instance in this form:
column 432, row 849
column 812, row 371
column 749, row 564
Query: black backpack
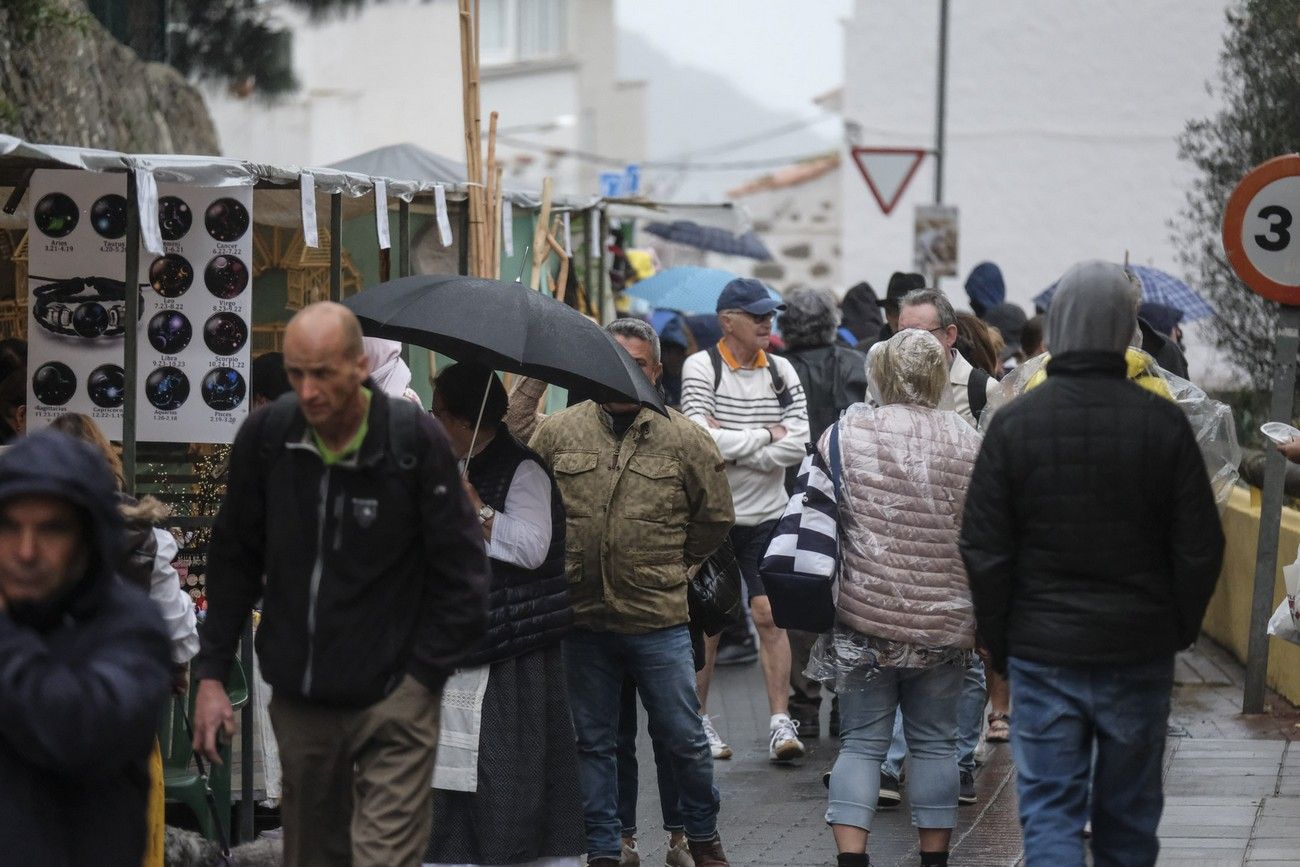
column 783, row 396
column 977, row 391
column 403, row 430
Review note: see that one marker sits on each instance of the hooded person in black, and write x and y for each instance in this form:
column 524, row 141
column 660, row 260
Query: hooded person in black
column 84, row 663
column 1092, row 544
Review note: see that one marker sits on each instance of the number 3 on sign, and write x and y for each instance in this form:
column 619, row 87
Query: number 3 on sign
column 1279, row 221
column 1257, row 229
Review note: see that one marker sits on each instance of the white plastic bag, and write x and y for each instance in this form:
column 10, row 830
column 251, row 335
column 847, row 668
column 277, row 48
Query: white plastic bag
column 1283, row 624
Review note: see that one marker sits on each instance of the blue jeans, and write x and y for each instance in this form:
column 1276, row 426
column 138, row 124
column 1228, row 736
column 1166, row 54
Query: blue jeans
column 661, row 663
column 1063, row 714
column 970, row 722
column 928, row 698
column 628, row 772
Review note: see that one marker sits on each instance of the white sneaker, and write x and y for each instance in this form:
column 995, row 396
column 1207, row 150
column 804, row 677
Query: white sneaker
column 719, row 749
column 785, row 744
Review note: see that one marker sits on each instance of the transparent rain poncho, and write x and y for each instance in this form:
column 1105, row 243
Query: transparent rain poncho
column 903, row 599
column 1211, row 420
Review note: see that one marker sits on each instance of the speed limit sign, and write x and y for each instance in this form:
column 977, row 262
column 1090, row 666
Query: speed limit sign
column 1261, row 229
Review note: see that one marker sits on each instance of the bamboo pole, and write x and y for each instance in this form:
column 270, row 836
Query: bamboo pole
column 540, row 250
column 491, row 259
column 473, row 133
column 498, row 242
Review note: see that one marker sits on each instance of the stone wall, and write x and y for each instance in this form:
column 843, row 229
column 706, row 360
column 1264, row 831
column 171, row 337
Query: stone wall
column 65, row 80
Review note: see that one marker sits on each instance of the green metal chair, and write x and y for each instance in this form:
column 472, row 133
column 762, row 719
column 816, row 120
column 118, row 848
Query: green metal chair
column 181, row 780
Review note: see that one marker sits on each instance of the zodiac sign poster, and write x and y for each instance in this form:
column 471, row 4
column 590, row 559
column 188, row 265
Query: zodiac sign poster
column 195, row 312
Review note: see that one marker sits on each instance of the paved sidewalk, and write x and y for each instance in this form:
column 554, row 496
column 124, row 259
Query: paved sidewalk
column 1232, row 785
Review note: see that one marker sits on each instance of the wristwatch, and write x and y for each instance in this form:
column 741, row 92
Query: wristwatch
column 486, row 513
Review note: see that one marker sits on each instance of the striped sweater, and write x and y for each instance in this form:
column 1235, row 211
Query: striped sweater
column 744, row 406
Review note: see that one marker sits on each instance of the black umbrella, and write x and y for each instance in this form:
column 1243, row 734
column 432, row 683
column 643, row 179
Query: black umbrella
column 711, row 238
column 505, row 326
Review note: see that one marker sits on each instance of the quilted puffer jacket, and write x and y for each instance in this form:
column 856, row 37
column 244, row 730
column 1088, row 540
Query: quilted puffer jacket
column 905, row 473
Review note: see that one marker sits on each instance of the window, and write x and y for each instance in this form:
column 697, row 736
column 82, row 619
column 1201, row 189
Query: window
column 516, row 30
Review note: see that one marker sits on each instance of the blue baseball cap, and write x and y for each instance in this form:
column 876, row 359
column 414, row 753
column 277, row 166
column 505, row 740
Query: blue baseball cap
column 748, row 294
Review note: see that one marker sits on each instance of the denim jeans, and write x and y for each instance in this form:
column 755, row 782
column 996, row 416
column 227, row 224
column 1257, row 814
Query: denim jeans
column 928, row 698
column 1063, row 715
column 628, row 772
column 661, row 663
column 970, row 722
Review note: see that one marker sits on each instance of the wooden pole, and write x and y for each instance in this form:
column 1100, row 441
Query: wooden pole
column 491, row 259
column 473, row 135
column 540, row 250
column 498, row 242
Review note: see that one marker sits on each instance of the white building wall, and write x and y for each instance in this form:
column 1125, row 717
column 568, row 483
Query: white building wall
column 387, row 74
column 1062, row 119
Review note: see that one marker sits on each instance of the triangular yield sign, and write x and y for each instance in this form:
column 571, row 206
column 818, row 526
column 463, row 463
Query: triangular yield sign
column 888, row 171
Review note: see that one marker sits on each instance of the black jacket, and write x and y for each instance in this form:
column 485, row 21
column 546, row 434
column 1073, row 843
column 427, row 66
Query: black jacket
column 833, row 379
column 82, row 683
column 374, row 566
column 528, row 609
column 1090, row 532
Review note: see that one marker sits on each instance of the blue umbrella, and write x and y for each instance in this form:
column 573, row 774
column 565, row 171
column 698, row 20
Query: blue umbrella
column 1158, row 287
column 689, row 290
column 711, row 238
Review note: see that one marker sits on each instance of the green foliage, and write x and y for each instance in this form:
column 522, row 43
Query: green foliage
column 240, row 42
column 1259, row 88
column 30, row 17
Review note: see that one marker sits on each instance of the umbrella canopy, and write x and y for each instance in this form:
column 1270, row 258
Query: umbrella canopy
column 711, row 238
column 1158, row 287
column 689, row 290
column 505, row 326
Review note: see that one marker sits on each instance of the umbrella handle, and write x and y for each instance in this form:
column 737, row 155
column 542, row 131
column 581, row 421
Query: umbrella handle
column 477, row 424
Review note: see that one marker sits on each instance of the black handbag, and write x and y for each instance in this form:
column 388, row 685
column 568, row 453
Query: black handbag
column 801, row 566
column 713, row 594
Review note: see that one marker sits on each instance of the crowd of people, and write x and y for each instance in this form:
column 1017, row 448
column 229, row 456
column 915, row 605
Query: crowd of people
column 461, row 608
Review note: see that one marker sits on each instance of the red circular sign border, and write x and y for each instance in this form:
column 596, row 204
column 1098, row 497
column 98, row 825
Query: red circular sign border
column 1234, row 217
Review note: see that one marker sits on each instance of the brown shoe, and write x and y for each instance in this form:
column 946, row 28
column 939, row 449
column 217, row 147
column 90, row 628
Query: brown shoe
column 709, row 853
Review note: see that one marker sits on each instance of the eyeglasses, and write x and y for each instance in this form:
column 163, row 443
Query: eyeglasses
column 756, row 318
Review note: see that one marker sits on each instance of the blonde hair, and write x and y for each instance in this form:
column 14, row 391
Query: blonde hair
column 910, row 368
column 147, row 509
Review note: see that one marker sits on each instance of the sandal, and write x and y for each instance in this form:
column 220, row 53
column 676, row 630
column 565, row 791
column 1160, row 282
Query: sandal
column 999, row 728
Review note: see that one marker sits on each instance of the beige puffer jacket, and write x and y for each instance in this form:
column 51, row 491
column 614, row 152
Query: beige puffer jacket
column 905, row 474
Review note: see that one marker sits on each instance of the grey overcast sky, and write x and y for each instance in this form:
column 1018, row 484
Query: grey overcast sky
column 780, row 52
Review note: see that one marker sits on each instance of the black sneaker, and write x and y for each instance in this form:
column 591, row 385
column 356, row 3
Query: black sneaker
column 737, row 654
column 891, row 792
column 966, row 795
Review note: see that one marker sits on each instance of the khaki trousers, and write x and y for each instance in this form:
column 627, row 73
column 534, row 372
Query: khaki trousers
column 357, row 782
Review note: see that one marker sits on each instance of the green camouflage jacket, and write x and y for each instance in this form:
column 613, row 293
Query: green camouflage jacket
column 640, row 511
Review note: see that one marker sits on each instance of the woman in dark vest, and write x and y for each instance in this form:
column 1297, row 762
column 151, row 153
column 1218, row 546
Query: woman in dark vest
column 506, row 785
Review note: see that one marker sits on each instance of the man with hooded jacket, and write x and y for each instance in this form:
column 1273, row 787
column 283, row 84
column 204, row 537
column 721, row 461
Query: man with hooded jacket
column 1092, row 544
column 84, row 664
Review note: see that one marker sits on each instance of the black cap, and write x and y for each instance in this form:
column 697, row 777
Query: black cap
column 900, row 284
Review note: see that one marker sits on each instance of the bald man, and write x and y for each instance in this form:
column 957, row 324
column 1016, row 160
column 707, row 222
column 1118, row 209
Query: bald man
column 375, row 582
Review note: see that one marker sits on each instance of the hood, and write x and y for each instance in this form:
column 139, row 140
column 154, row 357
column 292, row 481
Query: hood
column 861, row 311
column 51, row 462
column 387, row 369
column 985, row 287
column 1094, row 309
column 810, row 319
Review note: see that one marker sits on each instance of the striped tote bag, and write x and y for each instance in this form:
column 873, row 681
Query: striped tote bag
column 800, row 568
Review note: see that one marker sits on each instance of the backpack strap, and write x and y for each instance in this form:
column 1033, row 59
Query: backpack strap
column 977, row 391
column 715, row 357
column 836, row 466
column 783, row 396
column 404, row 432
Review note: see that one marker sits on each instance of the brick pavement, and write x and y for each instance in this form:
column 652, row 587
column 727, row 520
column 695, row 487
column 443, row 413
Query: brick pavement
column 1232, row 785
